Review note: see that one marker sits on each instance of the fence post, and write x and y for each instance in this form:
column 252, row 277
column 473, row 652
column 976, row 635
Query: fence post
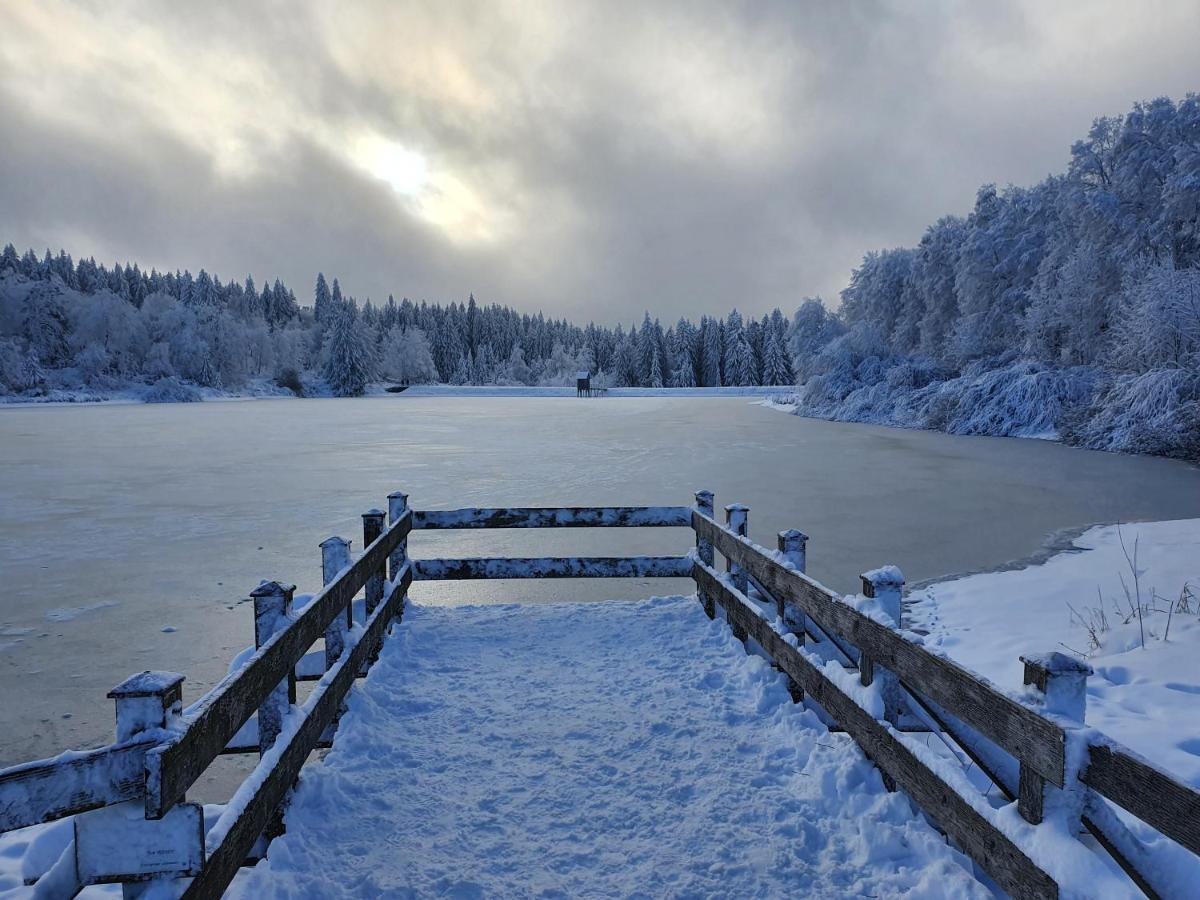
column 372, row 529
column 272, row 613
column 792, row 546
column 886, row 587
column 737, row 520
column 1060, row 682
column 146, row 701
column 335, row 556
column 397, row 507
column 704, row 549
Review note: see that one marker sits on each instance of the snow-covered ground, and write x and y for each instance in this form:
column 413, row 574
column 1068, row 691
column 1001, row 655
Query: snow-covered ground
column 1146, row 697
column 622, row 749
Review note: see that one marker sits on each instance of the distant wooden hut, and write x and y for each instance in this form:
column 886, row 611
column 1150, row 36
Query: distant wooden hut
column 583, row 384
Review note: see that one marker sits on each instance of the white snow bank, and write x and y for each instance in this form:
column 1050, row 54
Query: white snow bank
column 620, row 749
column 1147, row 698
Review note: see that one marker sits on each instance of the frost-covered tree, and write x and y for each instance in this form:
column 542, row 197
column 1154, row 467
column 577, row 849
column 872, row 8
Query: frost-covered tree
column 775, row 368
column 407, row 357
column 351, row 365
column 739, row 363
column 711, row 350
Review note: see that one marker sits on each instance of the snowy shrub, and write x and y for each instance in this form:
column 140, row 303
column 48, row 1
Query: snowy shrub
column 1024, row 399
column 20, row 369
column 93, row 363
column 171, row 390
column 1157, row 412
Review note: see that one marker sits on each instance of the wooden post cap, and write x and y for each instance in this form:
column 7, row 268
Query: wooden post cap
column 704, row 498
column 1055, row 663
column 881, row 580
column 792, row 537
column 147, row 684
column 737, row 507
column 334, row 541
column 272, row 588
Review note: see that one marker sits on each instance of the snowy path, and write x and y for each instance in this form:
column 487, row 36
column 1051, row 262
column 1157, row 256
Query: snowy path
column 618, row 749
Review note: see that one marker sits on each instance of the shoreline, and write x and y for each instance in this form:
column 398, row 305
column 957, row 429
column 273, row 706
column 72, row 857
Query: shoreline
column 132, row 397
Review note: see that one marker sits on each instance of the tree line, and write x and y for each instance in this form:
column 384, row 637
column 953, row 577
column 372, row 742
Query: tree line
column 67, row 324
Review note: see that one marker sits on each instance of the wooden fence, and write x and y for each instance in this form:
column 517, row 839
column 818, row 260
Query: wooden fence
column 1025, row 744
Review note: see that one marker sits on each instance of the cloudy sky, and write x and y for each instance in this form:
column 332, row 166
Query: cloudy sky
column 589, row 159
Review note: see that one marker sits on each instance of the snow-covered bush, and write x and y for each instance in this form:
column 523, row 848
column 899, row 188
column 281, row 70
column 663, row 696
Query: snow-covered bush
column 171, row 390
column 1155, row 412
column 20, row 369
column 1024, row 399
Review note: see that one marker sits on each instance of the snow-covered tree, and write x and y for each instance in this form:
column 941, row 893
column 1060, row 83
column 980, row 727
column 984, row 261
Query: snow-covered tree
column 775, row 367
column 351, row 365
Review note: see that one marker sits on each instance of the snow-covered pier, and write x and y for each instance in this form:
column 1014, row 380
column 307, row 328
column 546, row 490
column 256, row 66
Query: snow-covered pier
column 792, row 740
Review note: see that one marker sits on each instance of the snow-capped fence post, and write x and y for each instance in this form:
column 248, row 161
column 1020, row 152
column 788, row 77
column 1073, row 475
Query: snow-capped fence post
column 885, row 586
column 704, row 549
column 792, row 546
column 146, row 701
column 335, row 556
column 737, row 520
column 1060, row 683
column 273, row 613
column 397, row 507
column 372, row 529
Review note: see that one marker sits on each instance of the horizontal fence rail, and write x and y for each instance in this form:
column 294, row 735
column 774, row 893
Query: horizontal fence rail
column 49, row 789
column 555, row 567
column 555, row 517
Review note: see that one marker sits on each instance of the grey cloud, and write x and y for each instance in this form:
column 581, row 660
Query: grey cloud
column 680, row 158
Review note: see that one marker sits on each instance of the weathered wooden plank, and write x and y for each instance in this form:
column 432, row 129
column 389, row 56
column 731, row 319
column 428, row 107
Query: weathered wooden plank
column 172, row 768
column 1023, row 733
column 1158, row 799
column 993, row 851
column 555, row 567
column 226, row 857
column 1110, row 832
column 49, row 789
column 555, row 517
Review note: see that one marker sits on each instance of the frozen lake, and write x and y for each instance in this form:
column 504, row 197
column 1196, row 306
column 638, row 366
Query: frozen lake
column 132, row 533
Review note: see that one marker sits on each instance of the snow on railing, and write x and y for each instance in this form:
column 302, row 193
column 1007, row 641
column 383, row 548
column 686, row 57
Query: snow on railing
column 1033, row 746
column 846, row 657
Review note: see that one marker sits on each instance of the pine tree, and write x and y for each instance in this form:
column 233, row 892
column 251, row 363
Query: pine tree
column 322, row 302
column 655, row 378
column 711, row 362
column 740, row 363
column 351, row 361
column 775, row 371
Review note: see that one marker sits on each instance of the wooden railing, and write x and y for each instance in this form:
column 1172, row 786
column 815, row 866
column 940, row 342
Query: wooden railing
column 1022, row 743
